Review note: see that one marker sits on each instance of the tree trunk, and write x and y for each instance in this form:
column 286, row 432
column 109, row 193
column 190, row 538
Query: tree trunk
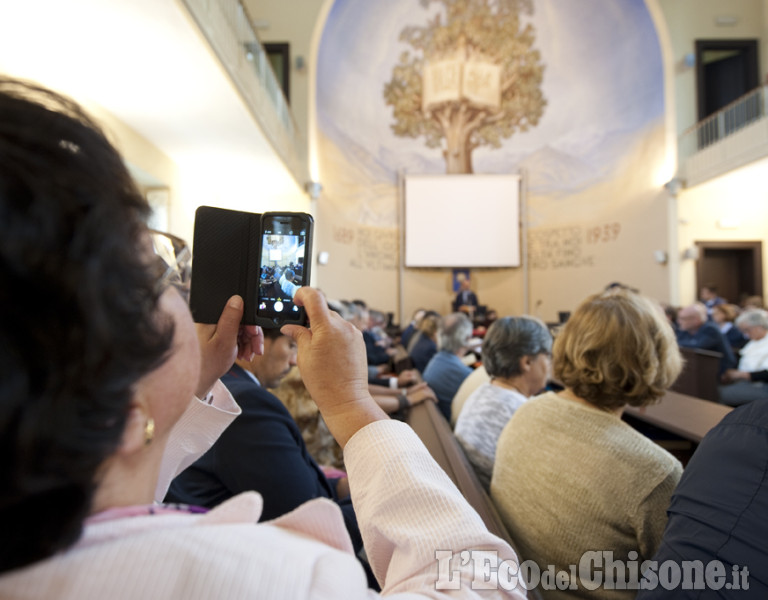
column 458, row 156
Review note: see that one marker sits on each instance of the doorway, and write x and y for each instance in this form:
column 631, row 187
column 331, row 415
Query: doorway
column 725, row 71
column 735, row 268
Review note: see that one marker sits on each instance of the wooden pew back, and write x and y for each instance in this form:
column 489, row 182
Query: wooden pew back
column 700, row 376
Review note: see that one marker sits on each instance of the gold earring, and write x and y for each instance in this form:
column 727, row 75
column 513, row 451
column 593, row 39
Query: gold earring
column 149, row 431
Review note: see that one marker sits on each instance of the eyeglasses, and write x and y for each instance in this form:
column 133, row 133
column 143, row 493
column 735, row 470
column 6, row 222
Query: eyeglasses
column 174, row 262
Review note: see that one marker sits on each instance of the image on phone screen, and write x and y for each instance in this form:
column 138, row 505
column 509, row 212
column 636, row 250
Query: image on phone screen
column 283, row 254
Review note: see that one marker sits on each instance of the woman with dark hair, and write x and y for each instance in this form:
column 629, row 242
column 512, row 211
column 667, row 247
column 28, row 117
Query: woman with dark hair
column 100, row 367
column 570, row 476
column 516, row 354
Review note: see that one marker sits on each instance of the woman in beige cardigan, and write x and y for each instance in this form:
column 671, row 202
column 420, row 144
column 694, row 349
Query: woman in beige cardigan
column 570, row 476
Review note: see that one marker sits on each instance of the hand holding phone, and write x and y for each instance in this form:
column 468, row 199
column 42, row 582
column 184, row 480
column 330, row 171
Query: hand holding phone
column 262, row 258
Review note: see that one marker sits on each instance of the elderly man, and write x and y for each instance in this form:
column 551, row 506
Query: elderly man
column 445, row 371
column 694, row 331
column 748, row 382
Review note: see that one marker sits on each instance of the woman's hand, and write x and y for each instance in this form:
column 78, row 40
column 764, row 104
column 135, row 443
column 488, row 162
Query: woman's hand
column 331, row 358
column 222, row 343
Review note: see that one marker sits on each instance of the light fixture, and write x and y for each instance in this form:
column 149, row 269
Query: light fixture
column 674, row 185
column 313, row 188
column 728, row 223
column 691, row 253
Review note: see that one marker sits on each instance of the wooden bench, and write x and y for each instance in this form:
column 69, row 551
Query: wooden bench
column 701, row 374
column 433, row 430
column 687, row 416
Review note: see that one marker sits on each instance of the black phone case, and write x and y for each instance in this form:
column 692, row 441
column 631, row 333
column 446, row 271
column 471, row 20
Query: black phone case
column 225, row 255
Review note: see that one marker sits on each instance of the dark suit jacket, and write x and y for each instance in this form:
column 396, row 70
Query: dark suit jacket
column 261, row 450
column 709, row 337
column 376, row 354
column 471, row 300
column 422, row 352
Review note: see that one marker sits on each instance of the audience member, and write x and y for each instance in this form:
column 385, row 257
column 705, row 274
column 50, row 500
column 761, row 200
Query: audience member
column 445, row 370
column 753, row 302
column 377, row 325
column 423, row 344
column 263, row 449
column 466, row 299
column 717, row 514
column 476, row 378
column 378, row 357
column 694, row 331
column 709, row 297
column 748, row 382
column 570, row 475
column 412, row 327
column 101, row 363
column 516, row 353
column 724, row 315
column 671, row 313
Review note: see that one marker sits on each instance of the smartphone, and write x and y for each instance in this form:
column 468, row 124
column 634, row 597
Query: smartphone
column 263, row 258
column 285, row 260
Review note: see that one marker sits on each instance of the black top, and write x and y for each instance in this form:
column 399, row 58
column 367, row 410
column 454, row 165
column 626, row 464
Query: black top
column 718, row 511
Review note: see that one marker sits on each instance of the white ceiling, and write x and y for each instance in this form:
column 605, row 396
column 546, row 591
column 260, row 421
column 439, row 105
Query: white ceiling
column 145, row 62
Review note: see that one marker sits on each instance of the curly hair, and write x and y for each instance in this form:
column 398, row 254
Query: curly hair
column 617, row 349
column 80, row 322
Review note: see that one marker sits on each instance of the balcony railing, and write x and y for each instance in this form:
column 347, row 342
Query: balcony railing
column 228, row 30
column 727, row 139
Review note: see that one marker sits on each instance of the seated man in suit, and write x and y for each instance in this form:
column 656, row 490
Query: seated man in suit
column 696, row 332
column 466, row 299
column 262, row 449
column 378, row 356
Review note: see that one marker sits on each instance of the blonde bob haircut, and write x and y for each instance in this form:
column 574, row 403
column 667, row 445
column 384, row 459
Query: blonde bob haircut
column 617, row 348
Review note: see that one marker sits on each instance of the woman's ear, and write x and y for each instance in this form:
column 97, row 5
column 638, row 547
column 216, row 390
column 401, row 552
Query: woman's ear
column 525, row 363
column 139, row 427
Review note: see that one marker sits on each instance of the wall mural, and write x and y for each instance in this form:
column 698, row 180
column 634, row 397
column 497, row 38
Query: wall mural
column 569, row 92
column 473, row 80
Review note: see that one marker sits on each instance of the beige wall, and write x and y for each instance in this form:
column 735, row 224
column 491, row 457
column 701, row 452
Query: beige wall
column 292, row 22
column 742, row 194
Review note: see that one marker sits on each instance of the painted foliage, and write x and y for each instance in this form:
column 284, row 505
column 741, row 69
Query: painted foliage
column 473, row 80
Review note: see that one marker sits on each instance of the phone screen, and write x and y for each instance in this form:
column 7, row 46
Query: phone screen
column 285, row 255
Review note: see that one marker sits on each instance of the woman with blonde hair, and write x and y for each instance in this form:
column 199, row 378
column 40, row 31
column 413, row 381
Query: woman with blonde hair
column 570, row 476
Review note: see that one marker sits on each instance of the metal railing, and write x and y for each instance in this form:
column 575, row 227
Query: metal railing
column 725, row 122
column 227, row 27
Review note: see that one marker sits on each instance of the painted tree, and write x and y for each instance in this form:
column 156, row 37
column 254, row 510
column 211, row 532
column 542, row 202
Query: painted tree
column 473, row 80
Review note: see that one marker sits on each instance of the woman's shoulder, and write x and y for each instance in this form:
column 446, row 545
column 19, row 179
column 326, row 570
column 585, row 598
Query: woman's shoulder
column 189, row 558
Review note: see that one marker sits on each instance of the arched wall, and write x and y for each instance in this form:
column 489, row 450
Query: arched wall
column 596, row 208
